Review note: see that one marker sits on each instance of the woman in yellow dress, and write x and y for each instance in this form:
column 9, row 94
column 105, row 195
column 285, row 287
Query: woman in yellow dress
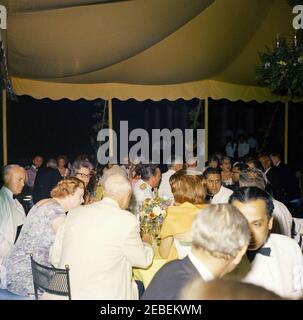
column 189, row 191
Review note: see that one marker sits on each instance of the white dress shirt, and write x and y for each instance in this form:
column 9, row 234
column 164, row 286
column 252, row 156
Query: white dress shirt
column 243, row 149
column 222, row 196
column 281, row 272
column 204, row 272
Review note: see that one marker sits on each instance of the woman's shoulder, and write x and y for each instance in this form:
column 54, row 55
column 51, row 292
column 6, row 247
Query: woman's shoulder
column 49, row 206
column 186, row 206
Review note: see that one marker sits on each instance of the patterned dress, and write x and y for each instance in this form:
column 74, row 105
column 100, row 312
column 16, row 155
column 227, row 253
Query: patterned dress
column 36, row 237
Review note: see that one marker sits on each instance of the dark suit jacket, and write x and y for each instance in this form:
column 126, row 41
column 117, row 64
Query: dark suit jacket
column 45, row 181
column 289, row 182
column 274, row 178
column 169, row 281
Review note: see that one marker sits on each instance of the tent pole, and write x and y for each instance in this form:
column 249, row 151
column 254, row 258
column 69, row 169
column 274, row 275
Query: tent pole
column 4, row 127
column 286, row 133
column 206, row 128
column 110, row 124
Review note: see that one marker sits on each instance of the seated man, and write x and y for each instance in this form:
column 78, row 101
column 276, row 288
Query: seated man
column 273, row 261
column 289, row 181
column 101, row 243
column 12, row 213
column 31, row 172
column 216, row 192
column 236, row 169
column 144, row 188
column 165, row 188
column 46, row 179
column 272, row 175
column 282, row 222
column 220, row 238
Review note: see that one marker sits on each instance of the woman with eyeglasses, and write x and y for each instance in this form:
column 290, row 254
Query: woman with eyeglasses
column 83, row 170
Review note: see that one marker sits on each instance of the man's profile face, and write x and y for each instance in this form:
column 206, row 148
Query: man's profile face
column 259, row 222
column 155, row 180
column 15, row 180
column 213, row 183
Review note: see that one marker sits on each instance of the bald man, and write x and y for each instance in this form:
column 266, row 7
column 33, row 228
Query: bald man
column 12, row 213
column 101, row 243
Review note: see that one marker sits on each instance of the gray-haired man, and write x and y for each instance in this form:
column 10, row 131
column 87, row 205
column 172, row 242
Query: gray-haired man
column 12, row 213
column 220, row 238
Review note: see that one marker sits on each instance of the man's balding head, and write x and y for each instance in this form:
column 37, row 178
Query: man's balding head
column 118, row 187
column 14, row 178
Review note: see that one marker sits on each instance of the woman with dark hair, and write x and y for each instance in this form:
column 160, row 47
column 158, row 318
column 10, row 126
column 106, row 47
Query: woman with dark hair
column 38, row 234
column 189, row 198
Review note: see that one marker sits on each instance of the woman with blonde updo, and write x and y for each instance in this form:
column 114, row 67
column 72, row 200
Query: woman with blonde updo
column 188, row 188
column 38, row 234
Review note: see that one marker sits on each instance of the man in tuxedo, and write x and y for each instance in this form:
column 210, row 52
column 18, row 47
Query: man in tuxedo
column 282, row 222
column 12, row 214
column 273, row 261
column 273, row 176
column 45, row 181
column 216, row 192
column 236, row 169
column 220, row 237
column 31, row 172
column 101, row 243
column 289, row 182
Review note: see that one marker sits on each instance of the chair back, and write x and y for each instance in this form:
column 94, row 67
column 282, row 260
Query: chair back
column 51, row 280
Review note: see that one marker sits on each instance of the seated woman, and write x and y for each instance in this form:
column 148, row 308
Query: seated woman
column 225, row 165
column 189, row 193
column 38, row 234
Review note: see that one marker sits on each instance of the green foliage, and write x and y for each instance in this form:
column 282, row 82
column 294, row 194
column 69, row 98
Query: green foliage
column 281, row 70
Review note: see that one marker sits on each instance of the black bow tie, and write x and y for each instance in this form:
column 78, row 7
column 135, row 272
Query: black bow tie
column 264, row 251
column 14, row 196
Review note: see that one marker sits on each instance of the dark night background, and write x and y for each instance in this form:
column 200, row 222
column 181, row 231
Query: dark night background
column 51, row 127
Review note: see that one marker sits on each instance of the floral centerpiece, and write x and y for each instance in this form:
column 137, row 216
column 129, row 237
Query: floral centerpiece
column 152, row 213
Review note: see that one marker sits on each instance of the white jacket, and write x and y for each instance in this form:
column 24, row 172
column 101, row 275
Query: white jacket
column 165, row 188
column 282, row 217
column 101, row 243
column 222, row 196
column 281, row 272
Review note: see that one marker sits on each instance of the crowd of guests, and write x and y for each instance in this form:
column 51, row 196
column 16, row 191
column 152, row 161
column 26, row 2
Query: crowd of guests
column 231, row 221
